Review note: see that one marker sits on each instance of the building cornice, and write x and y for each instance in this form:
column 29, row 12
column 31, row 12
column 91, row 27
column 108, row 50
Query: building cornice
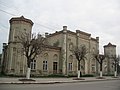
column 21, row 19
column 52, row 47
column 110, row 45
column 94, row 39
column 73, row 33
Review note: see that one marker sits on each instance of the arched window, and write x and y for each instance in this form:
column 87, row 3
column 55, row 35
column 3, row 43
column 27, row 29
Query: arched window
column 46, row 56
column 45, row 62
column 70, row 63
column 55, row 57
column 55, row 64
column 71, row 46
column 93, row 50
column 93, row 65
column 70, row 58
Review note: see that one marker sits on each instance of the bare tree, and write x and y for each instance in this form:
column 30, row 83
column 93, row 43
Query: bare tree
column 80, row 54
column 31, row 47
column 100, row 59
column 115, row 63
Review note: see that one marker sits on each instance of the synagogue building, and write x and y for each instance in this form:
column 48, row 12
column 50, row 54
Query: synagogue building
column 57, row 58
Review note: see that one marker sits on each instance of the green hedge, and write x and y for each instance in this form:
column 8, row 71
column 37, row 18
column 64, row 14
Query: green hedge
column 56, row 75
column 48, row 76
column 1, row 75
column 108, row 74
column 85, row 75
column 88, row 75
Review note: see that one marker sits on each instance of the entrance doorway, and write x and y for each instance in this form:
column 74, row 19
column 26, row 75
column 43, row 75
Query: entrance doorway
column 55, row 67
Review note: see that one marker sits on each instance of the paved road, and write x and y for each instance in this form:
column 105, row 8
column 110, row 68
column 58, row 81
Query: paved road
column 98, row 85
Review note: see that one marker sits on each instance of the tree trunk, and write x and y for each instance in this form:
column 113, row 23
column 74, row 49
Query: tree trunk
column 79, row 69
column 115, row 73
column 100, row 69
column 28, row 69
column 28, row 73
column 79, row 74
column 100, row 73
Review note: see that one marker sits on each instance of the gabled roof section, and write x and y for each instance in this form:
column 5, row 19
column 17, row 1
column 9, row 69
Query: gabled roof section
column 68, row 31
column 53, row 34
column 84, row 33
column 94, row 39
column 78, row 31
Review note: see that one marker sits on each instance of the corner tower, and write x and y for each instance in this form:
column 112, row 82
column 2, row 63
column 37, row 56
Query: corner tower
column 109, row 51
column 18, row 26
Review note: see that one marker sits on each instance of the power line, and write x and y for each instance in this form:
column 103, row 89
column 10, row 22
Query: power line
column 36, row 23
column 4, row 26
column 44, row 26
column 7, row 12
column 10, row 7
column 2, row 3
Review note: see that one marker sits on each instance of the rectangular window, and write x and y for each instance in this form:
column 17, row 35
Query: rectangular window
column 44, row 65
column 93, row 68
column 55, row 67
column 33, row 64
column 70, row 66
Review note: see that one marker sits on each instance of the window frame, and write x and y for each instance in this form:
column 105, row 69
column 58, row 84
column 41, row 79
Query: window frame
column 33, row 65
column 45, row 65
column 70, row 66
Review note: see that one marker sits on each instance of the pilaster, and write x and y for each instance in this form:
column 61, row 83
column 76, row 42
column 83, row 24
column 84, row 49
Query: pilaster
column 64, row 50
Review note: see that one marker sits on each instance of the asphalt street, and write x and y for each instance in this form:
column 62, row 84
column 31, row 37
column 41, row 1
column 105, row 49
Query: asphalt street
column 97, row 85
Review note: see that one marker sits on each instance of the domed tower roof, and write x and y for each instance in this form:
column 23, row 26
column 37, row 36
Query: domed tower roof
column 21, row 19
column 110, row 45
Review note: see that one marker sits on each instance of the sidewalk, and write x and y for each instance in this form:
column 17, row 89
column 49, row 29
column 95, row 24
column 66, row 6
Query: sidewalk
column 12, row 80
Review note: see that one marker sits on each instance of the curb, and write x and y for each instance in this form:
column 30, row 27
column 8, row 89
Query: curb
column 58, row 82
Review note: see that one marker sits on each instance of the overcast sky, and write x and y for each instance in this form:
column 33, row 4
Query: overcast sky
column 97, row 17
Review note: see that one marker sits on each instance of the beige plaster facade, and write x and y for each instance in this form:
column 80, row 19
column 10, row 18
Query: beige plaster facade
column 57, row 59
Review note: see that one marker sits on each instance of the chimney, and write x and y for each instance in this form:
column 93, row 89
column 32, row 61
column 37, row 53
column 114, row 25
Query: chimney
column 97, row 38
column 64, row 27
column 78, row 32
column 4, row 45
column 46, row 34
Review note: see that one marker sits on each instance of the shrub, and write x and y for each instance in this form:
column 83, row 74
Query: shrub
column 84, row 75
column 56, row 75
column 108, row 74
column 88, row 75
